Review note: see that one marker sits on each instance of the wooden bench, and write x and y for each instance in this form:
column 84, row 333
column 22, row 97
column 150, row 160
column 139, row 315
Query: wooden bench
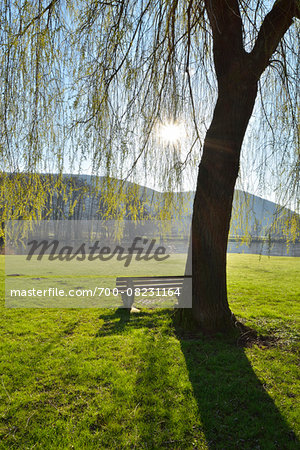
column 158, row 285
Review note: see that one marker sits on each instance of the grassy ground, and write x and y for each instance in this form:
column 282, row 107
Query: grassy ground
column 100, row 379
column 82, row 275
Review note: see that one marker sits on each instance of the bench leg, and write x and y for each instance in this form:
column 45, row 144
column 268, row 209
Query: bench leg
column 128, row 299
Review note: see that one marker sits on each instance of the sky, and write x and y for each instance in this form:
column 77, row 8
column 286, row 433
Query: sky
column 260, row 172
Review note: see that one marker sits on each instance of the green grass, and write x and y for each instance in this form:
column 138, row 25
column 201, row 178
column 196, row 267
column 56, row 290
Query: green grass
column 82, row 275
column 101, row 379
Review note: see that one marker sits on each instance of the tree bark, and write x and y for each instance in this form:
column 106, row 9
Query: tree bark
column 217, row 176
column 237, row 73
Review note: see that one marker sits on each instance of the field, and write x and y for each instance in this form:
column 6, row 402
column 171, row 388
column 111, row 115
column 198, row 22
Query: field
column 103, row 379
column 82, row 276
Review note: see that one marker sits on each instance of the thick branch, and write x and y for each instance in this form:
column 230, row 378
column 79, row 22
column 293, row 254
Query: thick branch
column 273, row 28
column 226, row 23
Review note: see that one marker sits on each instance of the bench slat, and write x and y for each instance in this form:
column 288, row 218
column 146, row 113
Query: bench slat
column 162, row 282
column 157, row 280
column 171, row 277
column 159, row 286
column 144, row 285
column 150, row 281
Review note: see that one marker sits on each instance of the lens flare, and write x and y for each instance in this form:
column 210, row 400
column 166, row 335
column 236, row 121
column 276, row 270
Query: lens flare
column 171, row 132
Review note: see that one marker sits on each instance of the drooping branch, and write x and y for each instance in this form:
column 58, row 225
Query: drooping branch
column 48, row 8
column 273, row 28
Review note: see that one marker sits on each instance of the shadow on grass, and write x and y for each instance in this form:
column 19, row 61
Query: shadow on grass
column 121, row 319
column 235, row 410
column 114, row 323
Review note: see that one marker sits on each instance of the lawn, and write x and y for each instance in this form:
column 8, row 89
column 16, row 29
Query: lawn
column 103, row 379
column 85, row 275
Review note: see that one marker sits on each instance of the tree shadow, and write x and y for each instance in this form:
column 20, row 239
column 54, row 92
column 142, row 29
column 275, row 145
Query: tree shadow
column 235, row 409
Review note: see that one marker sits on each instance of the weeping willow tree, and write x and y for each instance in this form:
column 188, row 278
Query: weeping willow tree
column 87, row 85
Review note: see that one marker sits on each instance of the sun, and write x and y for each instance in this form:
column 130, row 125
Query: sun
column 171, row 132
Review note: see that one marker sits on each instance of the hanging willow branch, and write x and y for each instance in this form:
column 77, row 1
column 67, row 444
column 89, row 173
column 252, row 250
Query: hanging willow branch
column 86, row 84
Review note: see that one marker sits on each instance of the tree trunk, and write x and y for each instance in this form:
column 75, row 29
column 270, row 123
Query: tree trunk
column 217, row 175
column 237, row 73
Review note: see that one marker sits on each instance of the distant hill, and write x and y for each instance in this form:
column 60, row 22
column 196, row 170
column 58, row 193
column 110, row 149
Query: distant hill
column 252, row 216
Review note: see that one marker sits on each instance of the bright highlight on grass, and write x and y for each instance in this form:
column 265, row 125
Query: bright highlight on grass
column 171, row 132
